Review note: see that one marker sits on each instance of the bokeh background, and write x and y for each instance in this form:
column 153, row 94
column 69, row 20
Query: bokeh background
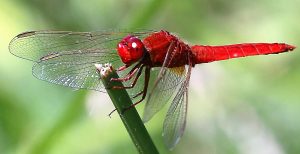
column 247, row 105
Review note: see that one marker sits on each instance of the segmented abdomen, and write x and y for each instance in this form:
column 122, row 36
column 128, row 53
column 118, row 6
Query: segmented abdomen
column 206, row 54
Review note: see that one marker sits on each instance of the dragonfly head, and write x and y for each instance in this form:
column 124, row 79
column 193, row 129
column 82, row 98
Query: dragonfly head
column 130, row 49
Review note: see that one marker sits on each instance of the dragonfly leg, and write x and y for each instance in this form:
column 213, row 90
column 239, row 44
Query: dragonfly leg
column 129, row 75
column 144, row 92
column 126, row 78
column 138, row 94
column 122, row 67
column 140, row 69
column 112, row 112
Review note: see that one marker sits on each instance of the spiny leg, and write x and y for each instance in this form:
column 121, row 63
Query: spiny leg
column 138, row 94
column 144, row 92
column 123, row 67
column 128, row 75
column 140, row 69
column 131, row 86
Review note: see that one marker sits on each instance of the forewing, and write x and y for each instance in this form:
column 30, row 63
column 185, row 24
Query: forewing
column 39, row 45
column 164, row 89
column 175, row 121
column 68, row 58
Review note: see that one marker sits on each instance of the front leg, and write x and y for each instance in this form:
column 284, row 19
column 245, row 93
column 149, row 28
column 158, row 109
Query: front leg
column 129, row 75
column 134, row 81
column 123, row 67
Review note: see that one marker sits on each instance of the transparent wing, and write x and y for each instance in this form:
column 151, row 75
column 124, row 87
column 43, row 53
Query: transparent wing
column 165, row 88
column 165, row 85
column 175, row 121
column 75, row 74
column 40, row 45
column 68, row 58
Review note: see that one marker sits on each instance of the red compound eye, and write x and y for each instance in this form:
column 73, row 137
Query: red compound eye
column 130, row 49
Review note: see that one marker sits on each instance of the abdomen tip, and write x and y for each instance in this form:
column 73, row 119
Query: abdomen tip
column 290, row 47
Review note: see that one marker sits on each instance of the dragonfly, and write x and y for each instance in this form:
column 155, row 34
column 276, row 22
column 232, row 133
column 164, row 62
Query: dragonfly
column 155, row 66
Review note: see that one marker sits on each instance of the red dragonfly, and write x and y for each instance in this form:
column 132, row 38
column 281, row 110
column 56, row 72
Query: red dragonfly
column 69, row 58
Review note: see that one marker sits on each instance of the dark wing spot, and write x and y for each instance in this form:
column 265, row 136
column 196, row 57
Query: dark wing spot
column 26, row 34
column 50, row 56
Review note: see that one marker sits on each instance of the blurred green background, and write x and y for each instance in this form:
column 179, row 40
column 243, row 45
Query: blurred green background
column 247, row 105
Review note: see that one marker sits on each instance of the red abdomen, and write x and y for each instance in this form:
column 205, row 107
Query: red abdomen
column 206, row 54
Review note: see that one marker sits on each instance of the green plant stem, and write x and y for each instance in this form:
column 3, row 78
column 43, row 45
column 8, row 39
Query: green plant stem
column 130, row 118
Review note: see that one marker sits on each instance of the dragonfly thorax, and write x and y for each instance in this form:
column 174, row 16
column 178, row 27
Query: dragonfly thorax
column 130, row 49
